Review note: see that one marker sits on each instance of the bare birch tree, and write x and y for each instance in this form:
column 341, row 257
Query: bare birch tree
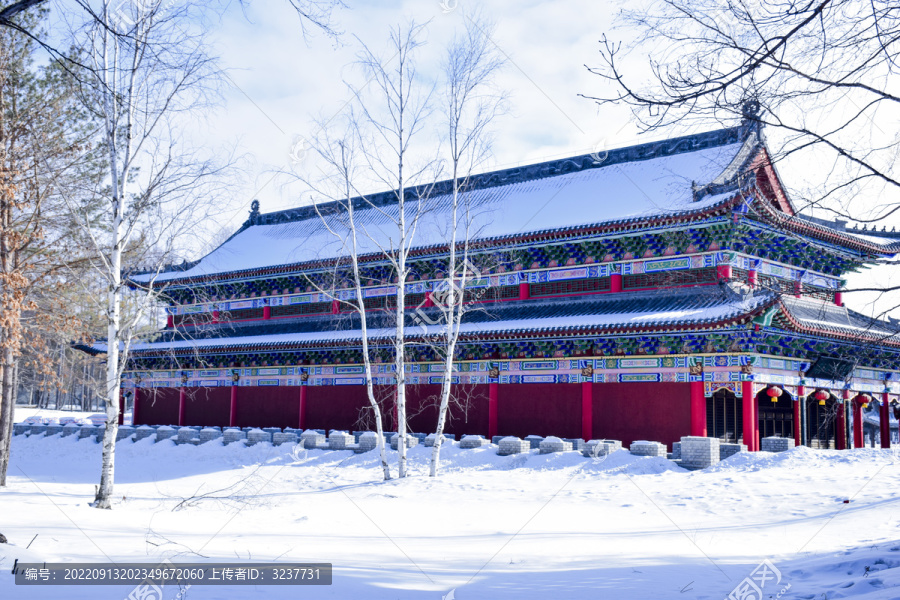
column 393, row 111
column 469, row 105
column 147, row 71
column 341, row 159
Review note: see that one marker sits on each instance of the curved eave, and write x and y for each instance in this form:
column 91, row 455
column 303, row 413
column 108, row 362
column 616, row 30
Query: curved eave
column 822, row 233
column 676, row 327
column 890, row 340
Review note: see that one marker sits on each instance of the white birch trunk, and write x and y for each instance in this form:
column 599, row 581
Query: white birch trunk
column 364, row 330
column 454, row 317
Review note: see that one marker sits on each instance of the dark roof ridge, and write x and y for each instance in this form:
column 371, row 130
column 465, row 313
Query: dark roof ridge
column 842, row 225
column 531, row 172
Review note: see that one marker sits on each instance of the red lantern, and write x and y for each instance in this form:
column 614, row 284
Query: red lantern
column 774, row 393
column 822, row 396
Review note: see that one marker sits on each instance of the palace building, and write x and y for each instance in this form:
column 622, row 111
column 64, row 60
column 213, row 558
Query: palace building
column 656, row 291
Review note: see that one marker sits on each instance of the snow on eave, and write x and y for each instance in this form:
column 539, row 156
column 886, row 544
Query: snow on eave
column 817, row 229
column 885, row 334
column 709, row 149
column 719, row 315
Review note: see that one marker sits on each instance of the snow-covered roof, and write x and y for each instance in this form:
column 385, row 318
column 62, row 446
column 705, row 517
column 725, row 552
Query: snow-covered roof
column 635, row 182
column 640, row 311
column 824, row 316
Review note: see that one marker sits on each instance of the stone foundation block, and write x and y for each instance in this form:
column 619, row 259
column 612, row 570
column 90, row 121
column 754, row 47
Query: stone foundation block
column 312, row 439
column 776, row 444
column 124, row 432
column 280, row 438
column 340, row 440
column 410, row 441
column 513, row 445
column 472, row 441
column 258, row 436
column 164, row 432
column 699, row 452
column 233, row 435
column 554, row 444
column 645, row 448
column 726, row 450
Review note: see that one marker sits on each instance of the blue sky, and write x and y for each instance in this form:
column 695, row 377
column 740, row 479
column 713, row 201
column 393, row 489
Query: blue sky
column 282, row 81
column 278, row 82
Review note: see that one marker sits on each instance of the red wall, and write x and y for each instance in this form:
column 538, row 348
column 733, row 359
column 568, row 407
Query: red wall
column 468, row 412
column 658, row 412
column 539, row 409
column 622, row 411
column 158, row 406
column 337, row 407
column 268, row 406
column 208, row 406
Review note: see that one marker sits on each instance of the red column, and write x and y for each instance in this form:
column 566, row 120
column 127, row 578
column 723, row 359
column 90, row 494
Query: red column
column 587, row 410
column 798, row 289
column 335, row 307
column 301, row 417
column 751, row 278
column 858, row 441
column 698, row 409
column 524, row 290
column 135, row 414
column 493, row 393
column 840, row 441
column 232, row 414
column 170, row 321
column 121, row 406
column 215, row 317
column 182, row 397
column 429, row 299
column 758, row 436
column 615, row 282
column 750, row 422
column 724, row 271
column 838, row 298
column 885, row 421
column 801, row 393
column 267, row 312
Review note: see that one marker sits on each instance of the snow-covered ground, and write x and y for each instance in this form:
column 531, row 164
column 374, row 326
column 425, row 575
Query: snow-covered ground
column 526, row 526
column 23, row 413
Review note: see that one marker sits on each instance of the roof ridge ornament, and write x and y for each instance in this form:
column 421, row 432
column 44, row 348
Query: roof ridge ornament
column 254, row 212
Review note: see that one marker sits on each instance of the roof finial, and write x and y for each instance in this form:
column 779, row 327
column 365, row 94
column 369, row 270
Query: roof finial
column 750, row 111
column 254, row 212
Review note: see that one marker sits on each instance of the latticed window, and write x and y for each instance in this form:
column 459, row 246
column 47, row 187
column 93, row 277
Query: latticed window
column 390, row 301
column 776, row 284
column 377, row 302
column 491, row 293
column 818, row 292
column 670, row 278
column 741, row 275
column 725, row 416
column 189, row 320
column 573, row 286
column 242, row 314
column 308, row 308
column 776, row 418
column 821, row 423
column 411, row 300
